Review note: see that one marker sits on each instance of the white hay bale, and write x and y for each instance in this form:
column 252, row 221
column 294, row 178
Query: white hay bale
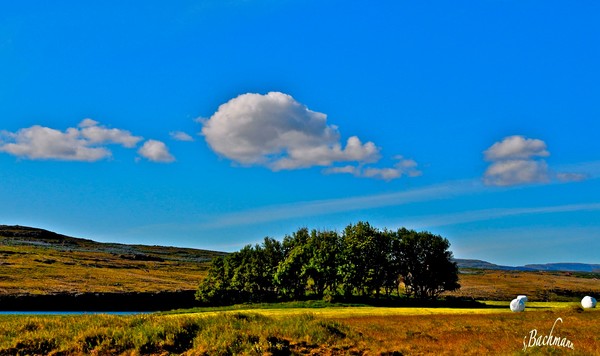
column 517, row 305
column 523, row 298
column 588, row 302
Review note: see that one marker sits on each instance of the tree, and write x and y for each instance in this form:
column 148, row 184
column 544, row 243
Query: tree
column 391, row 279
column 363, row 260
column 360, row 266
column 322, row 264
column 290, row 276
column 215, row 289
column 426, row 265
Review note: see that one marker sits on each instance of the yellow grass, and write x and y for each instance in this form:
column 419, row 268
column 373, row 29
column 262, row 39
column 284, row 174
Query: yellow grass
column 494, row 307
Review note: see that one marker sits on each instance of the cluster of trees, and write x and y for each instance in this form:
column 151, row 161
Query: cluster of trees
column 362, row 260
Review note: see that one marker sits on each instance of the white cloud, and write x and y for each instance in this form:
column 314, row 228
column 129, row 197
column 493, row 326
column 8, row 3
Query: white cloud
column 96, row 134
column 156, row 151
column 277, row 132
column 516, row 147
column 85, row 143
column 344, row 170
column 181, row 136
column 39, row 142
column 88, row 123
column 402, row 167
column 516, row 160
column 513, row 172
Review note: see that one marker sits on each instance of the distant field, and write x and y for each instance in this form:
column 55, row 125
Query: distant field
column 538, row 286
column 336, row 331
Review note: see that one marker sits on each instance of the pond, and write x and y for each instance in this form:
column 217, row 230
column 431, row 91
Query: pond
column 70, row 312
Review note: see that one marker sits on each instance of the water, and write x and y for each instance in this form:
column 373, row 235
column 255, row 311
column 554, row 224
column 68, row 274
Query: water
column 70, row 312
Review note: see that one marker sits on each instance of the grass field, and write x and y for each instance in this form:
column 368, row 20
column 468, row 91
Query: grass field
column 328, row 331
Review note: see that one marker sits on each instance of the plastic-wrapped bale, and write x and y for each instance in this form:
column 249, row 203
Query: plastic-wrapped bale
column 517, row 305
column 523, row 298
column 588, row 302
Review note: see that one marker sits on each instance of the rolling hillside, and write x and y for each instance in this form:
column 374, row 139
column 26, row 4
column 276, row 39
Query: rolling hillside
column 36, row 261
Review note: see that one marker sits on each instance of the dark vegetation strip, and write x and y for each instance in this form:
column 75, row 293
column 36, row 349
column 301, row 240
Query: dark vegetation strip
column 134, row 301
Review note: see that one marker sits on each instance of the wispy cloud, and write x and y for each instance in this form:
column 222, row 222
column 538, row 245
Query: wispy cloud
column 181, row 136
column 590, row 170
column 438, row 220
column 403, row 167
column 332, row 206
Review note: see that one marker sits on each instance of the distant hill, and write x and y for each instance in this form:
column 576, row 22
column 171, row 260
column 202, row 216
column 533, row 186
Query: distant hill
column 565, row 267
column 29, row 236
column 463, row 263
column 571, row 267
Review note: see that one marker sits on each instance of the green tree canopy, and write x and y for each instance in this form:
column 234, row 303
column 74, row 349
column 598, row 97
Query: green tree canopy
column 363, row 260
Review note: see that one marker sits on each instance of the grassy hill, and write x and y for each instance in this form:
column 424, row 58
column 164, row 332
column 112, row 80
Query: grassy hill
column 36, row 261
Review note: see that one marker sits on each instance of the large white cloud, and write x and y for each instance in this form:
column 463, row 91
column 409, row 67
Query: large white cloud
column 517, row 160
column 276, row 131
column 87, row 142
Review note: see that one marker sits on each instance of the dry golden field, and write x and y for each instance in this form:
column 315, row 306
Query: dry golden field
column 278, row 332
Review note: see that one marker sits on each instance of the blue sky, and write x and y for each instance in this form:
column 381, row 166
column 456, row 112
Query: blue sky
column 212, row 124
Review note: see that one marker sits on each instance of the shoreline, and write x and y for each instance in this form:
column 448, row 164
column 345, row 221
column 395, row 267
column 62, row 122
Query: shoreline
column 99, row 302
